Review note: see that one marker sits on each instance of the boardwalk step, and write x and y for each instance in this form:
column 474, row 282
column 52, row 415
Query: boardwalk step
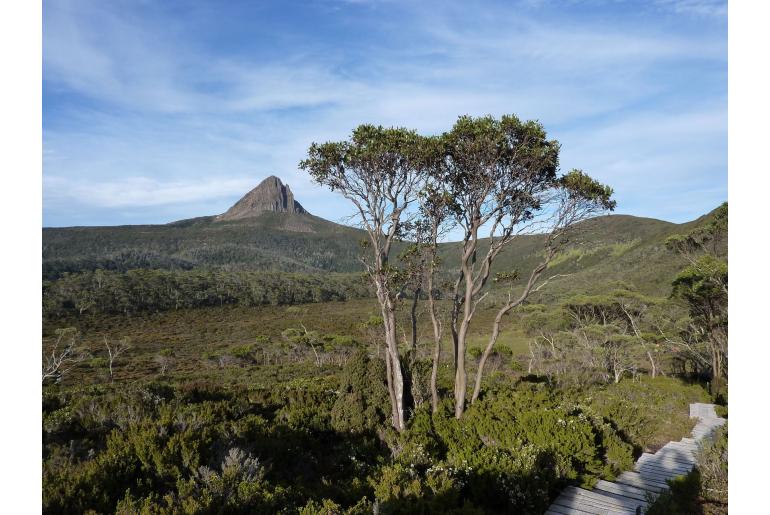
column 621, row 489
column 632, row 491
column 635, row 479
column 673, row 454
column 587, row 499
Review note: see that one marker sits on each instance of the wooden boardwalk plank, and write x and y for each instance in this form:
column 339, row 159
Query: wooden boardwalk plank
column 597, row 505
column 575, row 502
column 661, row 470
column 634, row 479
column 624, row 490
column 602, row 498
column 669, row 457
column 655, row 474
column 665, row 466
column 667, row 473
column 662, row 460
column 635, row 489
column 575, row 506
column 556, row 509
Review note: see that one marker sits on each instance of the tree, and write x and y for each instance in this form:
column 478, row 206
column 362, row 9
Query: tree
column 702, row 287
column 435, row 208
column 502, row 177
column 634, row 308
column 114, row 350
column 379, row 170
column 63, row 356
column 165, row 359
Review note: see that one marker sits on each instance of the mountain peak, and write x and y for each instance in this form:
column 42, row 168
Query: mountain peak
column 270, row 195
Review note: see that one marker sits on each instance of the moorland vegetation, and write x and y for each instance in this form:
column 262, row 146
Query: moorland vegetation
column 479, row 376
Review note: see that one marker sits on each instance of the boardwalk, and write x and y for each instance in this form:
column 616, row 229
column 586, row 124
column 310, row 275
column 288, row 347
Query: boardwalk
column 631, row 491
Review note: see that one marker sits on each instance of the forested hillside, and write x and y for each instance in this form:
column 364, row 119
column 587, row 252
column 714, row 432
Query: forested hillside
column 203, row 262
column 285, row 242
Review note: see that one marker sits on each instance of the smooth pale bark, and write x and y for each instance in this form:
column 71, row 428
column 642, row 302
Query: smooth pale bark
column 391, row 392
column 461, row 384
column 498, row 321
column 393, row 362
column 653, row 367
column 413, row 314
column 436, row 344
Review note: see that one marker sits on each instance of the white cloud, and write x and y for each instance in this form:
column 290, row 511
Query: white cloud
column 141, row 191
column 709, row 8
column 177, row 123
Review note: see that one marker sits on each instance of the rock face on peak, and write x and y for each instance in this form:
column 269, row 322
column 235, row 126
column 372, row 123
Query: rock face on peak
column 271, row 195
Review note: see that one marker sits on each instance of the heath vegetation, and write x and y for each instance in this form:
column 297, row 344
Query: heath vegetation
column 486, row 337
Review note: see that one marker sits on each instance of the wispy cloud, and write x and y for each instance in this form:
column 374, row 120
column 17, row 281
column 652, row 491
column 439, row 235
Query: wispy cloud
column 144, row 191
column 153, row 102
column 711, row 8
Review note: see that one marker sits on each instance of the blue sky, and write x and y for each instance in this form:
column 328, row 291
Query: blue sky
column 157, row 111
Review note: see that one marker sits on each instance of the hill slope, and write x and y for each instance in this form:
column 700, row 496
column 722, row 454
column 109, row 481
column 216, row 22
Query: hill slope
column 273, row 241
column 615, row 248
column 267, row 230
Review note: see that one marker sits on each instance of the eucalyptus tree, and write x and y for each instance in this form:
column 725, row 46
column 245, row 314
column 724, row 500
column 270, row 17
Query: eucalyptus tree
column 435, row 208
column 703, row 288
column 380, row 171
column 63, row 356
column 502, row 176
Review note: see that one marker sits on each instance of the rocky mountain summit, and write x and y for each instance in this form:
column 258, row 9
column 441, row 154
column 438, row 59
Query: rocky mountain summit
column 270, row 195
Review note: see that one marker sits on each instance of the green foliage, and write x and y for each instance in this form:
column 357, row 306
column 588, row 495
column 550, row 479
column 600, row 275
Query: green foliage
column 509, row 453
column 245, row 351
column 579, row 184
column 329, row 507
column 712, row 464
column 275, row 242
column 665, row 416
column 362, row 404
column 137, row 291
column 193, row 449
column 702, row 282
column 681, row 499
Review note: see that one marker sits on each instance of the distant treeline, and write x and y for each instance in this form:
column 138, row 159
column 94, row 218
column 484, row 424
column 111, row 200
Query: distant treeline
column 121, row 262
column 142, row 290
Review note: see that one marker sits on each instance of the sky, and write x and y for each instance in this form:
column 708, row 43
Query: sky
column 155, row 111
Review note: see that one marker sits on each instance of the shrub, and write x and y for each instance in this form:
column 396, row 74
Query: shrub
column 665, row 416
column 243, row 351
column 680, row 499
column 712, row 463
column 363, row 402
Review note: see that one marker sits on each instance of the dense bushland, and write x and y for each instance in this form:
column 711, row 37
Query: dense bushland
column 145, row 290
column 542, row 384
column 325, row 446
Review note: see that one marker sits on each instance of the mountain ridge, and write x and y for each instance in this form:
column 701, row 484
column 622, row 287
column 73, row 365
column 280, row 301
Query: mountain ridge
column 269, row 195
column 612, row 248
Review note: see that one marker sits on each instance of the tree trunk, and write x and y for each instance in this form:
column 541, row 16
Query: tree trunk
column 461, row 384
column 434, row 376
column 653, row 368
column 436, row 349
column 414, row 321
column 437, row 329
column 485, row 355
column 388, row 313
column 391, row 390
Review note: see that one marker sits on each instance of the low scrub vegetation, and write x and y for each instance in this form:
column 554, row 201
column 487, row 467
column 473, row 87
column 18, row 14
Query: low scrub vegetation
column 314, row 445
